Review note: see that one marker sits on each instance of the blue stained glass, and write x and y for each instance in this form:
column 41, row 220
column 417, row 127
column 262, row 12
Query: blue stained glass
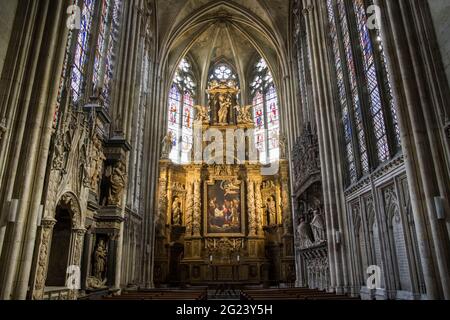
column 347, row 125
column 353, row 86
column 266, row 113
column 77, row 77
column 181, row 113
column 372, row 81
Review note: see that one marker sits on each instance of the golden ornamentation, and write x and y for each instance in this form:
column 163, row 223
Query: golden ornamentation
column 252, row 223
column 203, row 116
column 259, row 207
column 189, row 209
column 244, row 114
column 196, row 224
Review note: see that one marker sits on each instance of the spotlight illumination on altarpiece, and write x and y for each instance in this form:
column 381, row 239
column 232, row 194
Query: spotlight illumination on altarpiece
column 223, row 223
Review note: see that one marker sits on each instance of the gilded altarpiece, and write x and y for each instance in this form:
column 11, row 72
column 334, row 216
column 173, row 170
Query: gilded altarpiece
column 219, row 223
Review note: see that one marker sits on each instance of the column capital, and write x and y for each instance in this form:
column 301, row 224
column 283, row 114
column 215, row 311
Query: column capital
column 48, row 222
column 307, row 10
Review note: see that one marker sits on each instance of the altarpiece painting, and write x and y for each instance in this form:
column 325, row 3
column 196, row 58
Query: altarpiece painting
column 224, row 208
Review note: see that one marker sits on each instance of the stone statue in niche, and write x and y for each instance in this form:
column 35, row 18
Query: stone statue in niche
column 84, row 167
column 318, row 227
column 97, row 159
column 62, row 149
column 271, row 211
column 283, row 146
column 117, row 183
column 224, row 108
column 176, row 212
column 167, row 145
column 100, row 256
column 244, row 114
column 305, row 234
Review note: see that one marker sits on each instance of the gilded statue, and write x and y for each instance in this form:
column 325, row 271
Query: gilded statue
column 244, row 114
column 100, row 256
column 202, row 114
column 224, row 107
column 176, row 212
column 167, row 145
column 117, row 183
column 271, row 210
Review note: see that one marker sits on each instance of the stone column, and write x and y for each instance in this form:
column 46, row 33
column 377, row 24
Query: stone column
column 42, row 260
column 78, row 244
column 38, row 92
column 189, row 208
column 410, row 41
column 197, row 213
column 259, row 208
column 288, row 228
column 86, row 260
column 316, row 71
column 161, row 214
column 332, row 180
column 252, row 223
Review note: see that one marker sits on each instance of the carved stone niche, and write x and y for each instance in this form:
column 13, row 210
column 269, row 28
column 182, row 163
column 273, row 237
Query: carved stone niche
column 306, row 160
column 114, row 181
column 311, row 228
column 101, row 255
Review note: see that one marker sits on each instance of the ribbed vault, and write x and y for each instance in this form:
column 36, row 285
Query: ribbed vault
column 237, row 32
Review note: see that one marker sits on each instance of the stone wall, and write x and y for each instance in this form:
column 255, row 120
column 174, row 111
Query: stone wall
column 7, row 15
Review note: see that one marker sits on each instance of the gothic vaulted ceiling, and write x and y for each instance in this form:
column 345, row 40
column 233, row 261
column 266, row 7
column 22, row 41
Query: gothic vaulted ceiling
column 209, row 31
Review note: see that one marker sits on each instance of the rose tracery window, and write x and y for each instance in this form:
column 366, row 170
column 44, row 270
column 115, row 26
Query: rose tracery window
column 223, row 72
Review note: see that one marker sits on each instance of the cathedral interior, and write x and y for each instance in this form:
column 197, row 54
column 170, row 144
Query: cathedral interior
column 259, row 144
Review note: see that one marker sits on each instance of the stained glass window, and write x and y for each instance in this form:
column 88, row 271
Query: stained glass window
column 106, row 46
column 100, row 50
column 187, row 130
column 174, row 120
column 356, row 103
column 223, row 72
column 360, row 87
column 346, row 120
column 259, row 116
column 77, row 75
column 181, row 112
column 266, row 113
column 372, row 82
column 273, row 124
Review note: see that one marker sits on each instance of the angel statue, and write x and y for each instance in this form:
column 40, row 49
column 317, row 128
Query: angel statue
column 202, row 114
column 244, row 115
